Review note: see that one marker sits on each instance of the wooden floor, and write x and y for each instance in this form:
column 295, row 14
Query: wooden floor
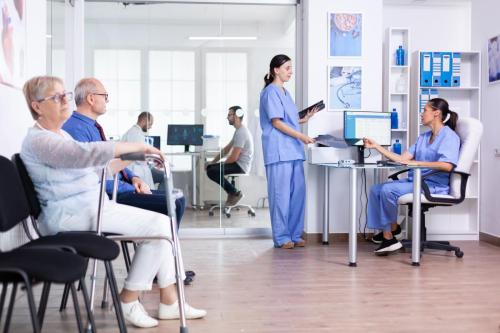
column 247, row 286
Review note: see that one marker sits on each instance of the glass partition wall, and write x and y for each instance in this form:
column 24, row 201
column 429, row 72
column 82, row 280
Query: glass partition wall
column 187, row 64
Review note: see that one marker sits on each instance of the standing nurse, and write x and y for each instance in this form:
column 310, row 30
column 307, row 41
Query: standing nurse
column 282, row 144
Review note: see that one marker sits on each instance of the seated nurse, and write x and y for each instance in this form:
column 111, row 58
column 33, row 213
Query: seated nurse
column 437, row 149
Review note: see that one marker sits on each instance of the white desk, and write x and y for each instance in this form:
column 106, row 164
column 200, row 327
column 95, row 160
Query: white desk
column 353, row 179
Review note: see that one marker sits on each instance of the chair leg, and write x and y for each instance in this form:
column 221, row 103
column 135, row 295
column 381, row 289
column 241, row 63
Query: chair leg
column 86, row 300
column 114, row 294
column 2, row 298
column 64, row 299
column 10, row 308
column 104, row 302
column 78, row 316
column 43, row 303
column 126, row 254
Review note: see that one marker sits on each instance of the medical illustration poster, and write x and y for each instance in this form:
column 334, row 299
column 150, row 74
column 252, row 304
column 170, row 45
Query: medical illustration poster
column 13, row 35
column 494, row 59
column 344, row 88
column 344, row 34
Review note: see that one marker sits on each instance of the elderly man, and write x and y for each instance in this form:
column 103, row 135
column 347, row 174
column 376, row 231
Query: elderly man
column 91, row 99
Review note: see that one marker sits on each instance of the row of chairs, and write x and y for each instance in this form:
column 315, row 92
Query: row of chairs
column 62, row 258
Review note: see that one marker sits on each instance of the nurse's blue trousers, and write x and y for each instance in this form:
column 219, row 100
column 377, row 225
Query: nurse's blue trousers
column 287, row 196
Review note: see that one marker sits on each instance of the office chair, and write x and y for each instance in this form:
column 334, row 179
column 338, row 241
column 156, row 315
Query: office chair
column 34, row 262
column 469, row 130
column 86, row 244
column 227, row 209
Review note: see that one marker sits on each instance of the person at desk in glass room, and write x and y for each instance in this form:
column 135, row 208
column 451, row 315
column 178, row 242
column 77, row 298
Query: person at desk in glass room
column 437, row 148
column 238, row 161
column 283, row 147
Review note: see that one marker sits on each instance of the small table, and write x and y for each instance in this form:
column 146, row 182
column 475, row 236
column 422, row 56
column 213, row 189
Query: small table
column 353, row 178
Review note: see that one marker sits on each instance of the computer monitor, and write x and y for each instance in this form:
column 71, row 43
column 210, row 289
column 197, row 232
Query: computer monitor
column 153, row 140
column 185, row 135
column 362, row 124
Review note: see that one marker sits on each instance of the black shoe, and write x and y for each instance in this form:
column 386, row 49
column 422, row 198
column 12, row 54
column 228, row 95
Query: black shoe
column 188, row 280
column 378, row 238
column 388, row 246
column 190, row 274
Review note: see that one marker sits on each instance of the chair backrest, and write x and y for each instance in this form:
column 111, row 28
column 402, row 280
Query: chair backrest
column 470, row 131
column 13, row 206
column 29, row 188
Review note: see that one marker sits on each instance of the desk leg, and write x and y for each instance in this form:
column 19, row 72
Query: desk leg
column 415, row 239
column 353, row 187
column 326, row 207
column 194, row 171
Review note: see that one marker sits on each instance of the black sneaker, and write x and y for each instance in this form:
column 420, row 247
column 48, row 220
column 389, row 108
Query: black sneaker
column 388, row 246
column 378, row 238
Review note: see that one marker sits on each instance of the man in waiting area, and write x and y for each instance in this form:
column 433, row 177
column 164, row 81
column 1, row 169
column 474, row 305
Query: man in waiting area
column 240, row 151
column 137, row 133
column 91, row 99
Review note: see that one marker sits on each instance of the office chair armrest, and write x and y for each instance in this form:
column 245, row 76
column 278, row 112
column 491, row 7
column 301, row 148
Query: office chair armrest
column 463, row 185
column 394, row 176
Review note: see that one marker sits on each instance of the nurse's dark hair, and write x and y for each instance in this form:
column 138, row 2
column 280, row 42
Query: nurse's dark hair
column 442, row 105
column 276, row 62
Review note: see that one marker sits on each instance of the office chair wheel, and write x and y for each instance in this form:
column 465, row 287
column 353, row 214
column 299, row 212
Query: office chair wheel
column 459, row 254
column 210, row 213
column 228, row 215
column 251, row 213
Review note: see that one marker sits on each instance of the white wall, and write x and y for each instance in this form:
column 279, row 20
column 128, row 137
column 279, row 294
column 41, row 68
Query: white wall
column 315, row 82
column 485, row 25
column 14, row 115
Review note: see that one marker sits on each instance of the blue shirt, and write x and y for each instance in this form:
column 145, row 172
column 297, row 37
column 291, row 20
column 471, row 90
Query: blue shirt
column 444, row 148
column 83, row 129
column 276, row 145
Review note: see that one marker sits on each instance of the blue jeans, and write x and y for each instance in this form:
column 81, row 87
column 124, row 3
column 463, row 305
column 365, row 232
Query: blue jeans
column 155, row 202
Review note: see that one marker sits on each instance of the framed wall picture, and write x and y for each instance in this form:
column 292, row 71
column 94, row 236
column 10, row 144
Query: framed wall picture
column 13, row 34
column 344, row 88
column 345, row 34
column 494, row 59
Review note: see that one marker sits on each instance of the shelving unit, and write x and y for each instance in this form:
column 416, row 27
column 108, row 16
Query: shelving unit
column 457, row 222
column 397, row 88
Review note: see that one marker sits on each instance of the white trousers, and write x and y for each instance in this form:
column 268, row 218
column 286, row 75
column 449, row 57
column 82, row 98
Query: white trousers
column 152, row 257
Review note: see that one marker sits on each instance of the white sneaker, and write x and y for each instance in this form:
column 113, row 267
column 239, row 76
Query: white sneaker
column 135, row 314
column 172, row 311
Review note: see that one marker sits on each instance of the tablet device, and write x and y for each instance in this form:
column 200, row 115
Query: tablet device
column 303, row 113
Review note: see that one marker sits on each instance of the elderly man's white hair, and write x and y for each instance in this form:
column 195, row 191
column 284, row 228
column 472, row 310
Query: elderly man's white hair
column 83, row 88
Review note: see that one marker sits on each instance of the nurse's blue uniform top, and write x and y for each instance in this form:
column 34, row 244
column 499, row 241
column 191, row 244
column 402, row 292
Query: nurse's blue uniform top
column 277, row 146
column 444, row 148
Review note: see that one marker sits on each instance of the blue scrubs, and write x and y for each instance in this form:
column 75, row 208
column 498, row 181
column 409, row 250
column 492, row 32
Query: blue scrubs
column 283, row 158
column 383, row 199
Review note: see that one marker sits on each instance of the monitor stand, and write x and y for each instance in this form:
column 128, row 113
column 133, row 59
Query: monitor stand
column 361, row 155
column 186, row 148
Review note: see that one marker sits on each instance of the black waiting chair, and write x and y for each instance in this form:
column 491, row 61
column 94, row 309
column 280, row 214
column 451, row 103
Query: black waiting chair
column 29, row 265
column 86, row 244
column 469, row 130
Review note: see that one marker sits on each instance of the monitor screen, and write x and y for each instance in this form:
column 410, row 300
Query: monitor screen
column 153, row 140
column 373, row 125
column 185, row 135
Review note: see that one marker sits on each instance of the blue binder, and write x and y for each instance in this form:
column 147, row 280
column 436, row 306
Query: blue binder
column 436, row 69
column 425, row 69
column 455, row 79
column 446, row 69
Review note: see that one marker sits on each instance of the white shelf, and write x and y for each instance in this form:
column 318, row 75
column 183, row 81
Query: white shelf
column 397, row 66
column 399, row 130
column 395, row 93
column 451, row 88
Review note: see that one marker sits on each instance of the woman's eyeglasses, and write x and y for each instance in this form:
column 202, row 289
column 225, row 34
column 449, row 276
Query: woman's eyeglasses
column 67, row 95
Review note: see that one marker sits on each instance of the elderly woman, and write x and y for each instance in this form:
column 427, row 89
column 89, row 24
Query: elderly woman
column 64, row 174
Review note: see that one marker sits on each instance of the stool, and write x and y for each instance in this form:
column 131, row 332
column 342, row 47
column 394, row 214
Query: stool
column 227, row 209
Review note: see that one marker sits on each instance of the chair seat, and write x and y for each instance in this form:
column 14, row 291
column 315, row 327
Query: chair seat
column 408, row 199
column 236, row 174
column 86, row 244
column 44, row 264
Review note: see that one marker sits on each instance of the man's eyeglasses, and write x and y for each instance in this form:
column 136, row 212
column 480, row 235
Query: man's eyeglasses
column 68, row 95
column 106, row 96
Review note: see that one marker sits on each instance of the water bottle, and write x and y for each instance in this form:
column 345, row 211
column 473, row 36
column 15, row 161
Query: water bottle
column 394, row 119
column 396, row 147
column 400, row 56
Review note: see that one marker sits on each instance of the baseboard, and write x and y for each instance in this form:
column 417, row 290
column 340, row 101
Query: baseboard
column 494, row 240
column 340, row 237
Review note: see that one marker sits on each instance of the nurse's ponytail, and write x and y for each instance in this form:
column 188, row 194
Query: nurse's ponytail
column 448, row 117
column 276, row 62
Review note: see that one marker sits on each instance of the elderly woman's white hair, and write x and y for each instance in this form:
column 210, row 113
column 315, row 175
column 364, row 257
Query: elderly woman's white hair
column 36, row 88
